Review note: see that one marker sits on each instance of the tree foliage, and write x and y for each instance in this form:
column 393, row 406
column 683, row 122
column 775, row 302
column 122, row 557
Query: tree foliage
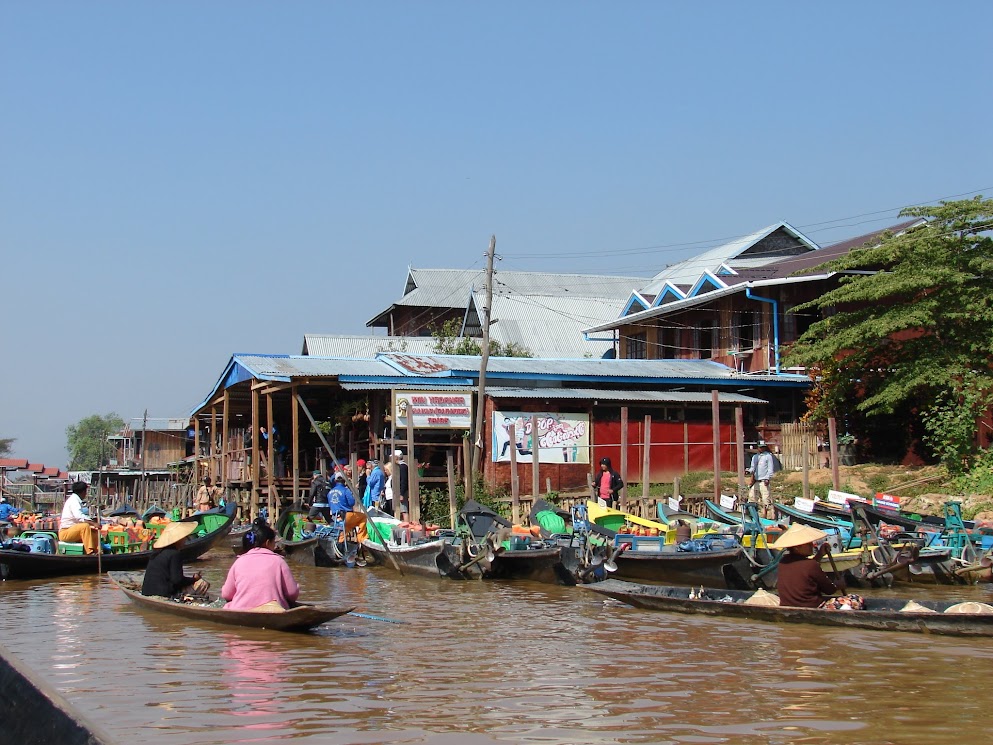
column 911, row 324
column 449, row 340
column 6, row 445
column 86, row 441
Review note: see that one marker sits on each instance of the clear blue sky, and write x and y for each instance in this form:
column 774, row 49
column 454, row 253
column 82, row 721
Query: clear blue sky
column 182, row 181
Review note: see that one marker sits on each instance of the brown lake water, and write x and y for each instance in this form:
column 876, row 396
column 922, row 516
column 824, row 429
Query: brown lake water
column 476, row 663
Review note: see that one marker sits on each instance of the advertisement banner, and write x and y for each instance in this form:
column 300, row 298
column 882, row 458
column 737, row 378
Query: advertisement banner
column 432, row 409
column 561, row 438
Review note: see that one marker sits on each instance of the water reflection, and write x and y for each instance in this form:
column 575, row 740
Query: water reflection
column 478, row 662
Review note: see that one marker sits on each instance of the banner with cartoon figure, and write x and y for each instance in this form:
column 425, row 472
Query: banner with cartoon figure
column 561, row 438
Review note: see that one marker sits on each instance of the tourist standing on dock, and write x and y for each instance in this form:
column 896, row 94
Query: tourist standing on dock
column 373, row 484
column 74, row 526
column 762, row 468
column 207, row 495
column 607, row 484
column 386, row 503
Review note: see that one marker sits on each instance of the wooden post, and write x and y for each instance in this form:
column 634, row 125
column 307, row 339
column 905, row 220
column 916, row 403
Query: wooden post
column 739, row 439
column 515, row 489
column 805, row 452
column 833, row 452
column 548, row 485
column 624, row 457
column 254, row 501
column 646, row 460
column 213, row 445
column 295, row 426
column 467, row 467
column 225, row 434
column 271, row 463
column 453, row 506
column 412, row 480
column 196, row 449
column 686, row 444
column 535, row 459
column 675, row 487
column 715, row 414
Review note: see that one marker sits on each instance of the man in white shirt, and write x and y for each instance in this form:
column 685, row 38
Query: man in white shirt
column 74, row 526
column 762, row 468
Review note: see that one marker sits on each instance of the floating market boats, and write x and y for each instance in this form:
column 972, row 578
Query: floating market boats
column 927, row 616
column 301, row 617
column 68, row 558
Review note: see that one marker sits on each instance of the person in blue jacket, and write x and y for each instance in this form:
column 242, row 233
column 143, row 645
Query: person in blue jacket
column 375, row 484
column 341, row 501
column 7, row 509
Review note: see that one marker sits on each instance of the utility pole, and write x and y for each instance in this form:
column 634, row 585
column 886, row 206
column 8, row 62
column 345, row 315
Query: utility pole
column 477, row 452
column 144, row 445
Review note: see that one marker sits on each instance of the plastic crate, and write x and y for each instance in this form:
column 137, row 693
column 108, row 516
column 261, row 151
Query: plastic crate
column 71, row 549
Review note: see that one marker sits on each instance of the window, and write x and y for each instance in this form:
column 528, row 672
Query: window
column 636, row 346
column 667, row 344
column 705, row 340
column 744, row 330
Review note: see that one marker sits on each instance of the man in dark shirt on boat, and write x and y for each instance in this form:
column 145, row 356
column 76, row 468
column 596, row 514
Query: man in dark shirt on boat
column 801, row 582
column 164, row 573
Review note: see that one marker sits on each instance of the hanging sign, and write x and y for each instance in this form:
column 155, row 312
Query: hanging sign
column 432, row 409
column 561, row 438
column 727, row 502
column 807, row 505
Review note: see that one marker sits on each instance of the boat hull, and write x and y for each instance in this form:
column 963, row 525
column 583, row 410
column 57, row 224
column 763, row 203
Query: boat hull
column 882, row 615
column 302, row 617
column 23, row 565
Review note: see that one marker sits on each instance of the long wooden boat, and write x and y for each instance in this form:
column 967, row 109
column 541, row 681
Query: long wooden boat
column 721, row 515
column 215, row 524
column 432, row 558
column 299, row 551
column 654, row 561
column 882, row 614
column 300, row 617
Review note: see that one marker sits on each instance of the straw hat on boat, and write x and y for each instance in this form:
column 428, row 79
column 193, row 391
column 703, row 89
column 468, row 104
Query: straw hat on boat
column 797, row 535
column 174, row 532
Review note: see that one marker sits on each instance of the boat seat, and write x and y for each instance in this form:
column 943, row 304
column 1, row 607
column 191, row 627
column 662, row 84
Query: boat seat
column 71, row 549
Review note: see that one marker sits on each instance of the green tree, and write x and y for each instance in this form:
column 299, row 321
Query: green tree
column 86, row 441
column 910, row 327
column 6, row 445
column 449, row 340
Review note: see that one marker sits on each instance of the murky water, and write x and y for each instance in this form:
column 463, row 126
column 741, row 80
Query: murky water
column 476, row 663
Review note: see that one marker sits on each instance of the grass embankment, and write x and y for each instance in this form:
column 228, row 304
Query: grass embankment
column 921, row 489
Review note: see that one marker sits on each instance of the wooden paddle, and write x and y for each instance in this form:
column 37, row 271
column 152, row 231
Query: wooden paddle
column 834, row 569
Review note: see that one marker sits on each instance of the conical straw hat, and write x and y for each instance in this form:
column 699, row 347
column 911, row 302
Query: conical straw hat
column 174, row 532
column 797, row 535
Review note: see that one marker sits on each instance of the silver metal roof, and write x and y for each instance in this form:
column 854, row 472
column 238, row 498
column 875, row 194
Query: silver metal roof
column 451, row 288
column 330, row 345
column 550, row 326
column 689, row 271
column 279, row 368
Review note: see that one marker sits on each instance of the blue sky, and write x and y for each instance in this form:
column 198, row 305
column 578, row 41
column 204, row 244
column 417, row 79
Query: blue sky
column 182, row 181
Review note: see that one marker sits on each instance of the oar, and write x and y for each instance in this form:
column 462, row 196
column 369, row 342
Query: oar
column 834, row 568
column 351, row 485
column 375, row 618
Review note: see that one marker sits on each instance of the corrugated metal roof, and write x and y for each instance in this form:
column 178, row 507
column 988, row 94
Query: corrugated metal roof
column 451, row 288
column 279, row 367
column 550, row 326
column 328, row 345
column 159, row 424
column 593, row 394
column 689, row 271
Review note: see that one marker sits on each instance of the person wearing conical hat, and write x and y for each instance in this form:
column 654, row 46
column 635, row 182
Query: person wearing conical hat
column 164, row 574
column 801, row 582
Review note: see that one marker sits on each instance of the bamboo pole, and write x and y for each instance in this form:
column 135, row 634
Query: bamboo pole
column 535, row 458
column 254, row 499
column 739, row 438
column 833, row 452
column 646, row 458
column 413, row 482
column 715, row 413
column 515, row 487
column 453, row 507
column 624, row 457
column 295, row 426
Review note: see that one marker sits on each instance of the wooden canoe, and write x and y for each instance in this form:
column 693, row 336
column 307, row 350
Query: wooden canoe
column 23, row 565
column 301, row 617
column 881, row 614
